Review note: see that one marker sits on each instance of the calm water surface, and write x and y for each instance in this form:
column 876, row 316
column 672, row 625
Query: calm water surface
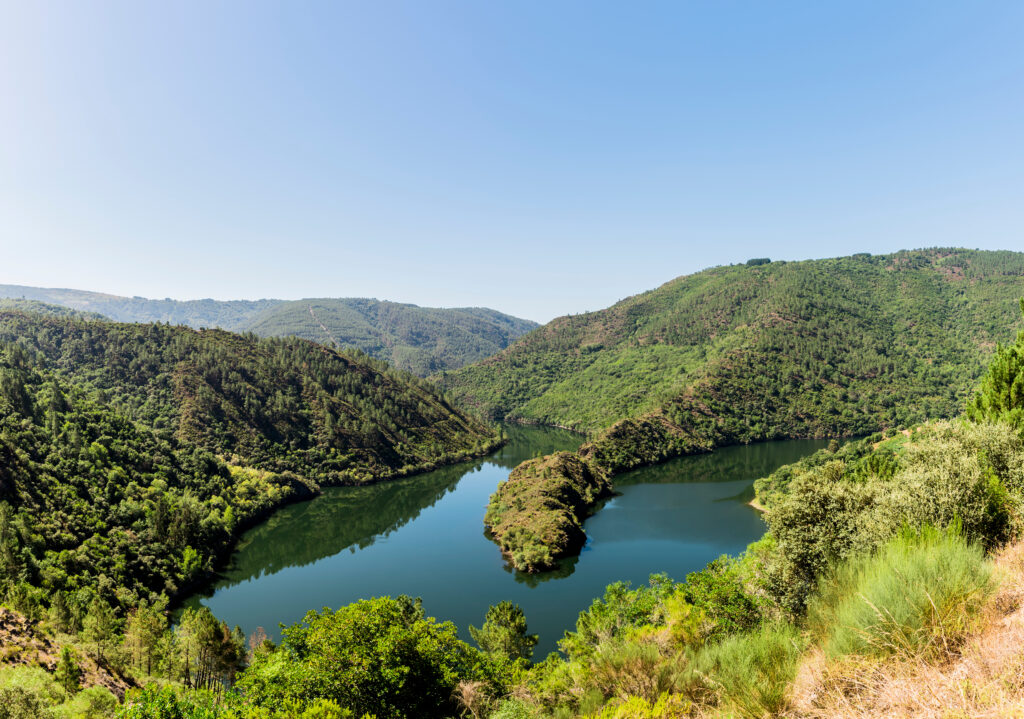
column 423, row 536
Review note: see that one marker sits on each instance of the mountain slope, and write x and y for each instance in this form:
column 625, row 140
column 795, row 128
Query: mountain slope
column 41, row 308
column 784, row 349
column 421, row 340
column 132, row 455
column 229, row 315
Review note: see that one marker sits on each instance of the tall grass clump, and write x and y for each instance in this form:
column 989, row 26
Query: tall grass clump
column 749, row 674
column 917, row 595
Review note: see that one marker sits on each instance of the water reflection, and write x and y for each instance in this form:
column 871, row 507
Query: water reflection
column 423, row 536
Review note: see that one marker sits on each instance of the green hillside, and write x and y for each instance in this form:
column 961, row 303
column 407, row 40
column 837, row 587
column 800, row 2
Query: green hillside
column 131, row 455
column 421, row 340
column 783, row 349
column 229, row 315
column 42, row 308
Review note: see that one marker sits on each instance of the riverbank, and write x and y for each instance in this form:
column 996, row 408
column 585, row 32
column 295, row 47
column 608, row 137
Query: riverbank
column 306, row 490
column 422, row 536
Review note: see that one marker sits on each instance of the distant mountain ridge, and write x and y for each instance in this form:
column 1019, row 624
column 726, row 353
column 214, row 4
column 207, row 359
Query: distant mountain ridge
column 421, row 340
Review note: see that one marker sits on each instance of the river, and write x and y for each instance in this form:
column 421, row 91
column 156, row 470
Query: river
column 424, row 536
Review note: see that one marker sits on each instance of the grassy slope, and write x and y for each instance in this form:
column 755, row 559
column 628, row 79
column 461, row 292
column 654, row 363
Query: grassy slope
column 742, row 353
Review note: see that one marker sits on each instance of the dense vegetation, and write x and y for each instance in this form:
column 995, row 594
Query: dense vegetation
column 421, row 340
column 833, row 347
column 756, row 352
column 229, row 315
column 878, row 560
column 879, row 554
column 41, row 308
column 536, row 515
column 132, row 455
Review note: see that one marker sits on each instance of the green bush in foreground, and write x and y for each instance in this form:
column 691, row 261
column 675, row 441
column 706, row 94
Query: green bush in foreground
column 378, row 656
column 33, row 693
column 172, row 703
column 971, row 474
column 504, row 633
column 748, row 674
column 917, row 595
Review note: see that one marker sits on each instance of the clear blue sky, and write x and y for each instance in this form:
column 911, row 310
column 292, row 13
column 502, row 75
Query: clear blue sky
column 540, row 158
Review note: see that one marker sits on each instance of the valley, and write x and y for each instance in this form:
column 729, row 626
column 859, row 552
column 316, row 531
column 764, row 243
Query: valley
column 155, row 472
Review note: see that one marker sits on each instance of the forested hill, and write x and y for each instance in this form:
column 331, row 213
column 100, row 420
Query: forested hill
column 765, row 350
column 42, row 308
column 422, row 340
column 229, row 315
column 131, row 454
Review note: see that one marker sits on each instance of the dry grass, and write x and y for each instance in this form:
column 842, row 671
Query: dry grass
column 984, row 678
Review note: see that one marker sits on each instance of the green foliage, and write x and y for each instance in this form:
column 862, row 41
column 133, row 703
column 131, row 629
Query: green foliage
column 971, row 475
column 210, row 653
column 834, row 347
column 917, row 595
column 421, row 340
column 42, row 308
column 620, row 610
column 380, row 656
column 1001, row 395
column 100, row 628
column 666, row 706
column 719, row 591
column 504, row 632
column 132, row 455
column 68, row 674
column 536, row 515
column 31, row 693
column 171, row 703
column 748, row 674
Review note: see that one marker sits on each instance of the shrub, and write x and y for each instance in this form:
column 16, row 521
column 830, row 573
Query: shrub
column 950, row 472
column 748, row 674
column 719, row 592
column 627, row 669
column 380, row 656
column 917, row 595
column 667, row 706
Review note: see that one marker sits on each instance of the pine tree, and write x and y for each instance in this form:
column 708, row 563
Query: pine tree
column 100, row 628
column 1001, row 396
column 68, row 673
column 504, row 632
column 146, row 625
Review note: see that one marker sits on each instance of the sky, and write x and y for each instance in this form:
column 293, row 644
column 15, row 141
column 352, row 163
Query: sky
column 540, row 158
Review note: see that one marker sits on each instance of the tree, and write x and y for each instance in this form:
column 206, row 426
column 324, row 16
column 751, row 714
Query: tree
column 1001, row 395
column 60, row 613
column 504, row 632
column 100, row 628
column 68, row 673
column 146, row 625
column 10, row 552
column 379, row 656
column 259, row 644
column 212, row 653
